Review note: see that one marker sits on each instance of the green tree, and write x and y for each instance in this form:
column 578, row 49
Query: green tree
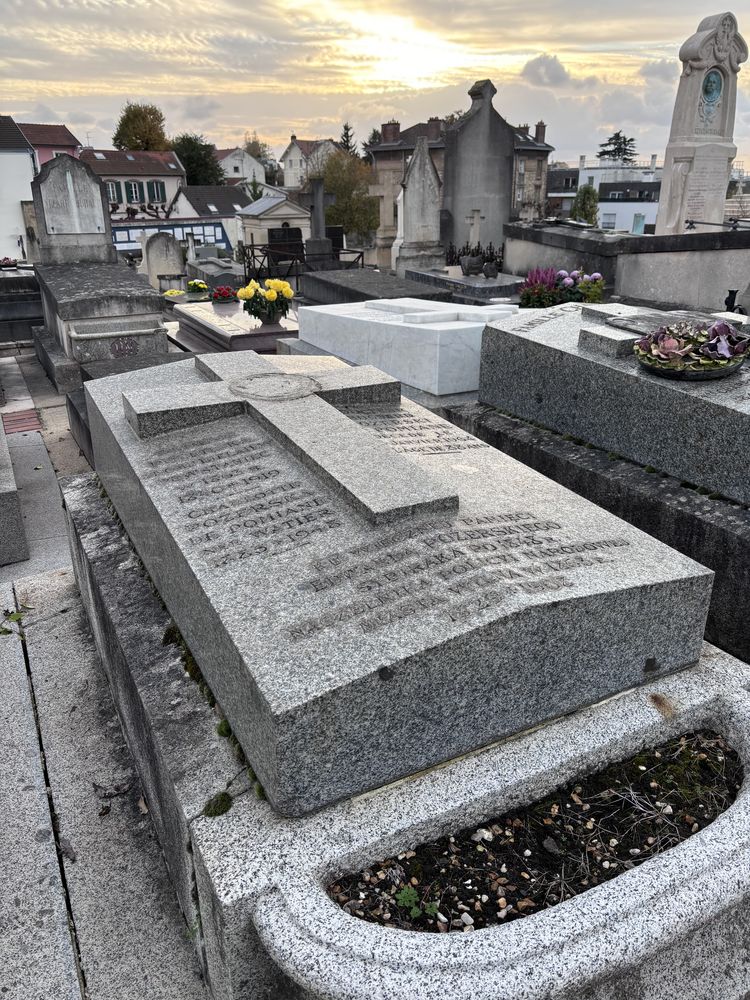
column 141, row 126
column 254, row 190
column 618, row 147
column 585, row 207
column 453, row 117
column 347, row 178
column 256, row 146
column 346, row 141
column 375, row 137
column 197, row 157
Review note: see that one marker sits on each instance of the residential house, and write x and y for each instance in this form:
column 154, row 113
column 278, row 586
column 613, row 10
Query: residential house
column 239, row 166
column 50, row 141
column 212, row 204
column 305, row 157
column 628, row 192
column 17, row 170
column 141, row 184
column 491, row 172
column 530, row 172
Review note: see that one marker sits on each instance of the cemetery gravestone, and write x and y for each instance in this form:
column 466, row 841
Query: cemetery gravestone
column 163, row 261
column 431, row 346
column 572, row 370
column 701, row 147
column 366, row 590
column 94, row 308
column 421, row 246
column 72, row 214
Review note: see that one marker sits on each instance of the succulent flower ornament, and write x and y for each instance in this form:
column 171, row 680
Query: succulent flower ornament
column 693, row 350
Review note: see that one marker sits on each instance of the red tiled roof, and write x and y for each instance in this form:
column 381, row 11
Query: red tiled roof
column 135, row 162
column 48, row 135
column 221, row 153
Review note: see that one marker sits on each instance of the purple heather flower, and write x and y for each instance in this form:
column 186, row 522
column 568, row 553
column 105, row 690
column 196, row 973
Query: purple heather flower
column 562, row 274
column 596, row 276
column 568, row 282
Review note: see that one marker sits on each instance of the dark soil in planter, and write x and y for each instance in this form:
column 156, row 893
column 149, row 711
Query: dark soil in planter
column 574, row 839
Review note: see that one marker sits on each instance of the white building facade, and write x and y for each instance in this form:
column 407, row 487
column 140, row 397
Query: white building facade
column 17, row 170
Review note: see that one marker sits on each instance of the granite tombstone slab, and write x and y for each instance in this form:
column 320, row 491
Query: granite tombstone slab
column 573, row 370
column 367, row 590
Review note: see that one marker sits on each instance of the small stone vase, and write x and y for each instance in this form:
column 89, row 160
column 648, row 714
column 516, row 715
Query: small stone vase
column 225, row 309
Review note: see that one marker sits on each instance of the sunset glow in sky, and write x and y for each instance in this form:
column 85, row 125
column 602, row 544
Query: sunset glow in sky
column 305, row 66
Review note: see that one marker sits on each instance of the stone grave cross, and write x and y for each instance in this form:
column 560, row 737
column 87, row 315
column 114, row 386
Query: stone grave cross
column 299, row 410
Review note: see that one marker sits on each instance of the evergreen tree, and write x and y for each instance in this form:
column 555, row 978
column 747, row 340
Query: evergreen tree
column 255, row 191
column 618, row 147
column 585, row 207
column 375, row 137
column 346, row 141
column 197, row 157
column 141, row 126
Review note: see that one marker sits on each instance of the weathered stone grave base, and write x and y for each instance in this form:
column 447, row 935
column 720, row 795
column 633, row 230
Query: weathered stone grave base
column 468, row 288
column 13, row 546
column 63, row 372
column 20, row 305
column 361, row 284
column 714, row 532
column 202, row 329
column 253, row 883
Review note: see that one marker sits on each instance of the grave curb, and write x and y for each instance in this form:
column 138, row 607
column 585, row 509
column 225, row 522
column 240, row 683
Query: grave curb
column 260, row 876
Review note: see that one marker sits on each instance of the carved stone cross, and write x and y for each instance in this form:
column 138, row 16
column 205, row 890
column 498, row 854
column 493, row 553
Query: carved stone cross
column 299, row 410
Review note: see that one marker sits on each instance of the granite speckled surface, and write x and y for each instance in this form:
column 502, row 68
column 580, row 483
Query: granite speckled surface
column 270, row 932
column 13, row 545
column 692, row 430
column 347, row 654
column 89, row 290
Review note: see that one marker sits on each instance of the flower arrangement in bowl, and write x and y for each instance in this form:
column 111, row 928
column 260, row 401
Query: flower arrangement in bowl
column 173, row 293
column 268, row 304
column 693, row 351
column 545, row 287
column 8, row 262
column 224, row 299
column 197, row 290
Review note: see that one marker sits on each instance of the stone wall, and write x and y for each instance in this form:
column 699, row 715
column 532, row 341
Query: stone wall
column 692, row 271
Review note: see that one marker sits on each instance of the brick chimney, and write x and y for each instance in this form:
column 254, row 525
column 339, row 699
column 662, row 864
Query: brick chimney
column 434, row 128
column 390, row 131
column 524, row 129
column 292, row 138
column 540, row 132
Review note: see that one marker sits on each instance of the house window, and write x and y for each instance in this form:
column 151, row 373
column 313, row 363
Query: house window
column 609, row 220
column 590, row 181
column 100, row 156
column 237, row 207
column 156, row 192
column 521, row 166
column 134, row 192
column 114, row 192
column 211, row 208
column 58, row 152
column 236, row 169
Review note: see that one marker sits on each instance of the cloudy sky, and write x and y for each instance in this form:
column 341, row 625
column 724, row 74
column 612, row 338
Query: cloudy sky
column 222, row 67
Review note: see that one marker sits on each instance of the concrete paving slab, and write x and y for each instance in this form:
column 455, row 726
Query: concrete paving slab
column 37, row 957
column 132, row 938
column 14, row 388
column 41, row 507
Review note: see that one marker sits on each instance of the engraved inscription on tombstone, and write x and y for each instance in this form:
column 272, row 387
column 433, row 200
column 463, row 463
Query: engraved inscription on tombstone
column 72, row 203
column 366, row 589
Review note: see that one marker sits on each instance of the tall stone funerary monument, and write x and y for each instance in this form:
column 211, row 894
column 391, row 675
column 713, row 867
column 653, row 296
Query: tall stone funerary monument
column 701, row 145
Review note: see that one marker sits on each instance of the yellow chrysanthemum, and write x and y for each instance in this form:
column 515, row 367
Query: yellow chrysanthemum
column 271, row 295
column 287, row 292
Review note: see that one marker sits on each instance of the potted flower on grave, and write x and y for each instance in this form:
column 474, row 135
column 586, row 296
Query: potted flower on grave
column 693, row 351
column 269, row 304
column 7, row 262
column 224, row 300
column 546, row 287
column 196, row 290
